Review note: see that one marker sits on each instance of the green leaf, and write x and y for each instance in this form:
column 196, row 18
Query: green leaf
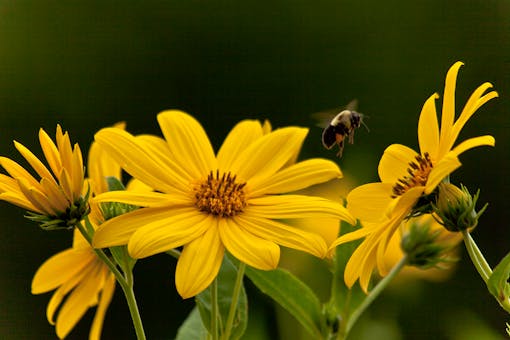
column 498, row 283
column 292, row 294
column 192, row 328
column 226, row 282
column 114, row 184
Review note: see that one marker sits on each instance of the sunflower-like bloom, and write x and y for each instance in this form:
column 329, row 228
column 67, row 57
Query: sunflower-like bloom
column 406, row 176
column 56, row 200
column 209, row 202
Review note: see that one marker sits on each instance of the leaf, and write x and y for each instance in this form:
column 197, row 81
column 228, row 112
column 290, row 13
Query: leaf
column 498, row 283
column 226, row 281
column 292, row 294
column 192, row 328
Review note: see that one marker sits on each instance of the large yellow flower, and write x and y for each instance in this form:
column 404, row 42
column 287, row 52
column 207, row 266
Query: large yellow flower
column 406, row 176
column 77, row 271
column 206, row 202
column 56, row 200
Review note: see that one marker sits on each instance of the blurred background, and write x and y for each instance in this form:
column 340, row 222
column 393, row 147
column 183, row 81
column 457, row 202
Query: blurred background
column 89, row 64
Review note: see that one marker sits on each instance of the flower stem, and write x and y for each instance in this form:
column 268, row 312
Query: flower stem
column 477, row 257
column 235, row 298
column 374, row 293
column 126, row 283
column 214, row 309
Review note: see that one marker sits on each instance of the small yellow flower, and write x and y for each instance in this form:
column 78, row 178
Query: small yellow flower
column 406, row 176
column 207, row 202
column 78, row 273
column 56, row 200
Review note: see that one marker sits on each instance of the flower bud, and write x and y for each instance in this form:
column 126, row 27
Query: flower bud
column 456, row 207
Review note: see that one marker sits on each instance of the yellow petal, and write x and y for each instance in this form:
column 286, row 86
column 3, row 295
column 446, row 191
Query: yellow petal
column 19, row 200
column 395, row 162
column 441, row 170
column 52, row 190
column 34, row 162
column 448, row 112
column 16, row 171
column 65, row 182
column 239, row 138
column 428, row 127
column 296, row 206
column 472, row 143
column 118, row 230
column 133, row 157
column 104, row 302
column 248, row 248
column 138, row 186
column 283, row 234
column 199, row 263
column 295, row 177
column 77, row 303
column 369, row 202
column 37, row 198
column 64, row 148
column 60, row 268
column 268, row 154
column 473, row 104
column 50, row 152
column 143, row 199
column 77, row 171
column 168, row 233
column 354, row 235
column 188, row 142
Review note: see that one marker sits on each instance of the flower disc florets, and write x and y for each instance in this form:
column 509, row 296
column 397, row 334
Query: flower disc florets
column 220, row 196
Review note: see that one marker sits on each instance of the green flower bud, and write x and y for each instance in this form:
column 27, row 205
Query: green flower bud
column 456, row 207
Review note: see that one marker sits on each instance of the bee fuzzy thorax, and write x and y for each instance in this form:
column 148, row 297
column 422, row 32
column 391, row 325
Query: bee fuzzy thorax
column 341, row 126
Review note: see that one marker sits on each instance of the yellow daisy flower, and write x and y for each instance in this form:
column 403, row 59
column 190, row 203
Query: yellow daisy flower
column 406, row 176
column 207, row 202
column 56, row 200
column 77, row 271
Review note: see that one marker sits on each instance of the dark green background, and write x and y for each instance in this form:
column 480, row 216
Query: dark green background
column 89, row 64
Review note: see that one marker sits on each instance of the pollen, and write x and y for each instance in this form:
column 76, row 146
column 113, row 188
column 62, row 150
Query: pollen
column 418, row 173
column 221, row 196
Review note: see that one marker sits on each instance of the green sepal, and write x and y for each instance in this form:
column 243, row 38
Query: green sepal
column 293, row 295
column 498, row 283
column 121, row 256
column 114, row 184
column 226, row 280
column 192, row 328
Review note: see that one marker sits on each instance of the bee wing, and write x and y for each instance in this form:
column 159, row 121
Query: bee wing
column 324, row 118
column 353, row 105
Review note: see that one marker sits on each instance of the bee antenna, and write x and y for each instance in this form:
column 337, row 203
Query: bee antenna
column 363, row 123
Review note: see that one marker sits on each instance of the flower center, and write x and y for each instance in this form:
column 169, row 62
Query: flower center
column 418, row 171
column 220, row 196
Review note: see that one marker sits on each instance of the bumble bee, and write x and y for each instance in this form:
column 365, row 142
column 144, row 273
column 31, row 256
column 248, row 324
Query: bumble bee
column 341, row 127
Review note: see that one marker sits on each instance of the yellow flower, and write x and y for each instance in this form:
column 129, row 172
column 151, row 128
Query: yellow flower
column 77, row 271
column 56, row 200
column 206, row 202
column 406, row 176
column 80, row 274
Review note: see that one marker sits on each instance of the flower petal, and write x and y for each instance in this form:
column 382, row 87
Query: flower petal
column 369, row 202
column 448, row 112
column 100, row 166
column 15, row 171
column 143, row 199
column 77, row 303
column 248, row 248
column 19, row 200
column 50, row 152
column 167, row 233
column 295, row 177
column 440, row 171
column 268, row 154
column 133, row 157
column 199, row 263
column 239, row 138
column 428, row 128
column 283, row 234
column 296, row 206
column 104, row 302
column 59, row 269
column 472, row 143
column 188, row 142
column 34, row 162
column 118, row 230
column 395, row 162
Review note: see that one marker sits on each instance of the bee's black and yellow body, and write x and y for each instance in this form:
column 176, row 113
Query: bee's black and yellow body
column 341, row 126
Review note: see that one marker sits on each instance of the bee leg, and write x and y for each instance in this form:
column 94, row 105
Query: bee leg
column 340, row 149
column 351, row 138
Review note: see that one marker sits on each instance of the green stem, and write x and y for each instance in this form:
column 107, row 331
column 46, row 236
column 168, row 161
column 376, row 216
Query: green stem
column 481, row 265
column 374, row 293
column 214, row 309
column 235, row 298
column 126, row 283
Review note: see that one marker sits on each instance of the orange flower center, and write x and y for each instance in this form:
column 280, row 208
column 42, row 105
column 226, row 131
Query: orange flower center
column 418, row 171
column 220, row 196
